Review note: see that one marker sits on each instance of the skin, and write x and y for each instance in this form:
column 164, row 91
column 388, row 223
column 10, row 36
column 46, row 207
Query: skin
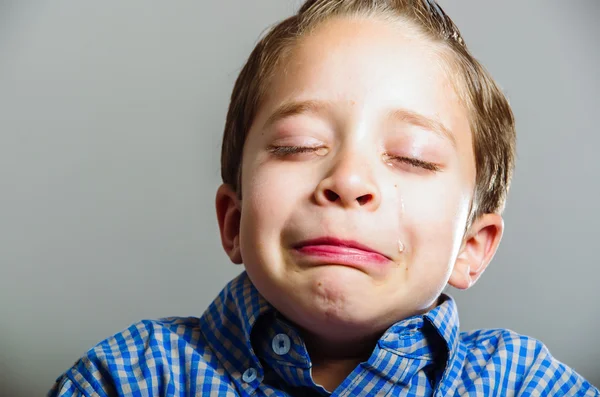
column 352, row 180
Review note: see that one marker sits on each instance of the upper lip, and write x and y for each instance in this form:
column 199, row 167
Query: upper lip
column 338, row 242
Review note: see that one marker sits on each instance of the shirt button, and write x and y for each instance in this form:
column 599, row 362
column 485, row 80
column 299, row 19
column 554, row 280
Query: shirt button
column 249, row 375
column 281, row 344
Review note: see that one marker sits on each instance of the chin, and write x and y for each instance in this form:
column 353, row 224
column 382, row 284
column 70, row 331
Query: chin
column 328, row 299
column 337, row 296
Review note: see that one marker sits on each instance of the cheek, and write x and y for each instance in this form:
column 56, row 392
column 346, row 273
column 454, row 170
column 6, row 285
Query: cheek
column 270, row 195
column 437, row 217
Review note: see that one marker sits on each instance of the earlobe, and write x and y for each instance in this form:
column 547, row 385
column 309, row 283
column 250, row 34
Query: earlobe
column 479, row 247
column 461, row 275
column 229, row 216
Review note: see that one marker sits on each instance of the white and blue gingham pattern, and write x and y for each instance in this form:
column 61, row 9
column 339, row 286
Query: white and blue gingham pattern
column 230, row 351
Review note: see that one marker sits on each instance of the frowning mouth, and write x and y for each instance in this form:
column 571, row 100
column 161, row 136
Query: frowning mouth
column 331, row 250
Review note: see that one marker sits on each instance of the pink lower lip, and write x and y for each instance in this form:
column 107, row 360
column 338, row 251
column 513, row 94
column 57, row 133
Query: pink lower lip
column 336, row 254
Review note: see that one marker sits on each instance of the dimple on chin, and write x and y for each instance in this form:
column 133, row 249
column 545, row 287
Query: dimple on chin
column 340, row 290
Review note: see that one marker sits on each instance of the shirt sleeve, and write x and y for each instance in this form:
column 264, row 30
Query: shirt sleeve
column 85, row 379
column 64, row 387
column 547, row 376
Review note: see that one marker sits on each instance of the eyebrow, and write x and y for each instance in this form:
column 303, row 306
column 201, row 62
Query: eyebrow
column 420, row 120
column 294, row 108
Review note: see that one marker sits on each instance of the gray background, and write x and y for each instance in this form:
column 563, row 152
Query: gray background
column 111, row 116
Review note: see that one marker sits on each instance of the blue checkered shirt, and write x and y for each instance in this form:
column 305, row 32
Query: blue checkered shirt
column 241, row 346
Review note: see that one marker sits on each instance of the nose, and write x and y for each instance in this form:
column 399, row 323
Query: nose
column 349, row 184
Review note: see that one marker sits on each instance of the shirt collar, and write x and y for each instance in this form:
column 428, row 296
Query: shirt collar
column 444, row 319
column 424, row 339
column 228, row 322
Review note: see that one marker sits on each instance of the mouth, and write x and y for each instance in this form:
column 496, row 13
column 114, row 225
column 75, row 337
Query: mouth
column 331, row 250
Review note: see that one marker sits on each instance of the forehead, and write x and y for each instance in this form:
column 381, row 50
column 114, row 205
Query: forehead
column 372, row 65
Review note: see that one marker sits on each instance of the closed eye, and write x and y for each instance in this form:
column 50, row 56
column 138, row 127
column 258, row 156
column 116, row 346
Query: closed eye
column 416, row 163
column 287, row 150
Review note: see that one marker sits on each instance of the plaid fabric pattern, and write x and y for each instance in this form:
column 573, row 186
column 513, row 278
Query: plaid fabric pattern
column 241, row 346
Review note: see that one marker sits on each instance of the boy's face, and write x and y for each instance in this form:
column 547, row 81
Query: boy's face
column 331, row 195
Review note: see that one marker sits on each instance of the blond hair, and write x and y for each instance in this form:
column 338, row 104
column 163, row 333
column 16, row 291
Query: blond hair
column 490, row 116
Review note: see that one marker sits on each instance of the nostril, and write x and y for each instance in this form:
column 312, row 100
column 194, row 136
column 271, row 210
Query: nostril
column 331, row 195
column 362, row 200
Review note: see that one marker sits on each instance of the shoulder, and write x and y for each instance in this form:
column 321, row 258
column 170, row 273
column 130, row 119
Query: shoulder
column 509, row 344
column 166, row 356
column 150, row 340
column 513, row 362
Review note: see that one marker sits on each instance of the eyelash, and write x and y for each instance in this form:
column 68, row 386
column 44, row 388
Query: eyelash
column 417, row 163
column 288, row 150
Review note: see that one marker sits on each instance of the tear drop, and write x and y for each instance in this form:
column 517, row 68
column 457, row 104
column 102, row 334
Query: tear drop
column 400, row 246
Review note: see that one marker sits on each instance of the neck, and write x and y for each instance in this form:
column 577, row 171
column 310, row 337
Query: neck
column 334, row 359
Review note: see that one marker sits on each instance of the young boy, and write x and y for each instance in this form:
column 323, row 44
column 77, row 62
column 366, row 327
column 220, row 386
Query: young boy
column 366, row 161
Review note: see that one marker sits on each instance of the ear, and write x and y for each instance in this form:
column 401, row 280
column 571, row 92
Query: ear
column 478, row 248
column 229, row 215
